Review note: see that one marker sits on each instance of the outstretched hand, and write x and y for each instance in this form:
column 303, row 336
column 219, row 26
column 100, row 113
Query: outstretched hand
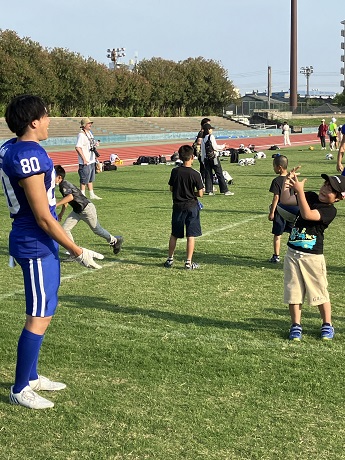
column 87, row 256
column 292, row 181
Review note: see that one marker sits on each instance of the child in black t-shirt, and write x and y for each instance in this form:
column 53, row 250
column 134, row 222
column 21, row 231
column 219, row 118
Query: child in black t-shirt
column 304, row 264
column 280, row 164
column 186, row 185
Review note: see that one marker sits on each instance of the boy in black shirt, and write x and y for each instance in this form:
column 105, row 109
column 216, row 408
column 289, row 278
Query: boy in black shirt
column 186, row 185
column 280, row 165
column 304, row 264
column 83, row 209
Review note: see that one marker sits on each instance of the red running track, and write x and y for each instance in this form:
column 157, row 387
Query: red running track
column 129, row 154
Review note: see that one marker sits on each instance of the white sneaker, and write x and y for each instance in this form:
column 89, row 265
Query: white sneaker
column 228, row 193
column 95, row 197
column 44, row 384
column 28, row 398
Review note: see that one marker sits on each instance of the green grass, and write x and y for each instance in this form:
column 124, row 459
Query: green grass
column 168, row 364
column 315, row 120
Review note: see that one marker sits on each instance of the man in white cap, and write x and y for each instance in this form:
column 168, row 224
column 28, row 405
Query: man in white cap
column 332, row 132
column 85, row 148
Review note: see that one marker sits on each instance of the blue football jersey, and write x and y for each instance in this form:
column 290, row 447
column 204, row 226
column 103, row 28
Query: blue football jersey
column 19, row 160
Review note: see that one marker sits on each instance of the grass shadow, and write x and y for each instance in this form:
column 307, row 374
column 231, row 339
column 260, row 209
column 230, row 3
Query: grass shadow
column 276, row 326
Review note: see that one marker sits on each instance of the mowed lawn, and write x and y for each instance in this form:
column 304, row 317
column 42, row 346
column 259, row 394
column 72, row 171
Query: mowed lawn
column 174, row 364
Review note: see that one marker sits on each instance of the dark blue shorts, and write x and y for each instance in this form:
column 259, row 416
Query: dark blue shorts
column 86, row 173
column 280, row 225
column 41, row 283
column 189, row 218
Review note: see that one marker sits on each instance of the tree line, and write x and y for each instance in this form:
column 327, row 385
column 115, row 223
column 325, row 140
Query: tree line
column 72, row 85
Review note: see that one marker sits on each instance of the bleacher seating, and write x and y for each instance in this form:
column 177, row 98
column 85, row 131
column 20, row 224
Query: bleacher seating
column 104, row 126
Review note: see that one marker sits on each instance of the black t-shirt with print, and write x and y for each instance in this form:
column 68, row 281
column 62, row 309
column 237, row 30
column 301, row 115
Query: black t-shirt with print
column 308, row 235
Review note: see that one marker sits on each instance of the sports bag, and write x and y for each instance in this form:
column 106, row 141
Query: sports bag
column 107, row 166
column 210, row 153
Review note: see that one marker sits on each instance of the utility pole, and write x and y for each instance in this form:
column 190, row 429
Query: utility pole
column 293, row 57
column 269, row 86
column 342, row 82
column 307, row 71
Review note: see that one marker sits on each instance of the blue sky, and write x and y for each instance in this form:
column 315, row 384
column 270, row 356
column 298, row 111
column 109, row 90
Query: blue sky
column 246, row 36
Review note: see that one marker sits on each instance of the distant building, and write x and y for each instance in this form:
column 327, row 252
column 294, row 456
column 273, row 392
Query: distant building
column 282, row 95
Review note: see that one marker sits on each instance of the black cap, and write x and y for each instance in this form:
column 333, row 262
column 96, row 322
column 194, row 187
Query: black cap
column 337, row 182
column 207, row 126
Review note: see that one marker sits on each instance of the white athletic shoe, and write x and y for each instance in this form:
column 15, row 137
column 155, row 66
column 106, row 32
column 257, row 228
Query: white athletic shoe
column 28, row 398
column 44, row 384
column 95, row 197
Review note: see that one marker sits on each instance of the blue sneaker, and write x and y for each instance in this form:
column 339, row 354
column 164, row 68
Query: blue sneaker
column 295, row 333
column 327, row 332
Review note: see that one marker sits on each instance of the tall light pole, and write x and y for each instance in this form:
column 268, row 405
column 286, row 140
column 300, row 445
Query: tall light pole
column 114, row 54
column 293, row 56
column 307, row 71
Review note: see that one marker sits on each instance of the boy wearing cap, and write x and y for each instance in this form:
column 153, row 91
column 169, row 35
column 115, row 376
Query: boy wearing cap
column 304, row 263
column 86, row 157
column 321, row 133
column 332, row 131
column 213, row 164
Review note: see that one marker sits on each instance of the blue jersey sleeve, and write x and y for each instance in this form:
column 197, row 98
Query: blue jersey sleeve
column 29, row 161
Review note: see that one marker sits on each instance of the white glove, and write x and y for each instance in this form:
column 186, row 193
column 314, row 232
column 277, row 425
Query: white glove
column 87, row 256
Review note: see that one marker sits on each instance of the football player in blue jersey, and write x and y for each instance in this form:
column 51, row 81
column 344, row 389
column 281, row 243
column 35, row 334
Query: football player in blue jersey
column 28, row 180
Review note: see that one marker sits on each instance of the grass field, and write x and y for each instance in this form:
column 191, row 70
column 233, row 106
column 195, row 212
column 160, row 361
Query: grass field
column 174, row 364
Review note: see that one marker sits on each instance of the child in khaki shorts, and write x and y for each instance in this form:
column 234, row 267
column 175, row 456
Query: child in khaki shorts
column 304, row 264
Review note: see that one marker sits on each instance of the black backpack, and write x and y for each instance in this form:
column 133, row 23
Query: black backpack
column 107, row 166
column 210, row 153
column 233, row 155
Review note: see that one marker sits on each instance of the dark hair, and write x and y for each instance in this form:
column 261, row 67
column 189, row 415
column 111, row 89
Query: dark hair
column 186, row 152
column 205, row 120
column 339, row 195
column 206, row 131
column 281, row 160
column 23, row 110
column 59, row 170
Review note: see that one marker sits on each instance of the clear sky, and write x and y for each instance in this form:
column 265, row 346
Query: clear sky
column 246, row 36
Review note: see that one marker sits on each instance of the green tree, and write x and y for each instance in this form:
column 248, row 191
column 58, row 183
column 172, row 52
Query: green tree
column 131, row 94
column 339, row 99
column 72, row 85
column 25, row 68
column 167, row 86
column 70, row 71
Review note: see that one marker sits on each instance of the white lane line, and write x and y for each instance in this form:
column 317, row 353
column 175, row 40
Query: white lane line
column 109, row 264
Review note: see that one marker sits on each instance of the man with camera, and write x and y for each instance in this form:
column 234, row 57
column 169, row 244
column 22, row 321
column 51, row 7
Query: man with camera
column 86, row 148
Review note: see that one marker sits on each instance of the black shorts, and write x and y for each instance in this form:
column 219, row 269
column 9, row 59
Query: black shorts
column 189, row 218
column 280, row 225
